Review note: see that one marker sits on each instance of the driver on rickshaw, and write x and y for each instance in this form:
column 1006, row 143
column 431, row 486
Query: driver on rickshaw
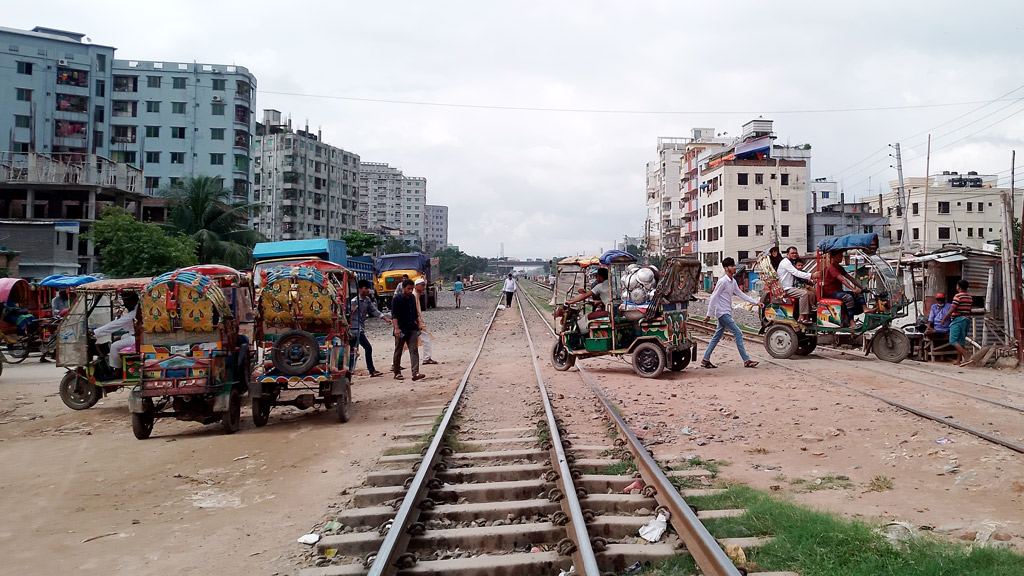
column 833, row 280
column 125, row 323
column 602, row 294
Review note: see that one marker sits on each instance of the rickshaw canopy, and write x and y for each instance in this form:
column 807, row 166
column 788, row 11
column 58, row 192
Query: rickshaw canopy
column 14, row 291
column 212, row 270
column 115, row 285
column 847, row 242
column 184, row 296
column 581, row 261
column 61, row 281
column 680, row 279
column 616, row 257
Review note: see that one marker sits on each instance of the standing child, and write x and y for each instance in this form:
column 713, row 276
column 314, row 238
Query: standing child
column 959, row 311
column 458, row 287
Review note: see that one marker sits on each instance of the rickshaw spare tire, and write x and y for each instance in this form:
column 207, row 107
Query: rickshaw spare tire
column 891, row 345
column 649, row 360
column 295, row 353
column 77, row 392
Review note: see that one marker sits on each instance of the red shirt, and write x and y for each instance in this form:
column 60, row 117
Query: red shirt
column 830, row 283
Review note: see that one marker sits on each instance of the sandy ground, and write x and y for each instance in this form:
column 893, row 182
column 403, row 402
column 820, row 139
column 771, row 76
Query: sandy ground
column 192, row 500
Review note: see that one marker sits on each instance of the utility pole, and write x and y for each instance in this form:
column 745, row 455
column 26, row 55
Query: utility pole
column 905, row 245
column 927, row 181
column 1018, row 304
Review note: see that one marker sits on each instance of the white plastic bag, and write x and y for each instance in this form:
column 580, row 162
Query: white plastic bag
column 653, row 530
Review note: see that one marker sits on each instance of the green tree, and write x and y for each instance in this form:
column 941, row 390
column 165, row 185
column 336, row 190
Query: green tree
column 457, row 263
column 397, row 246
column 202, row 209
column 361, row 243
column 132, row 248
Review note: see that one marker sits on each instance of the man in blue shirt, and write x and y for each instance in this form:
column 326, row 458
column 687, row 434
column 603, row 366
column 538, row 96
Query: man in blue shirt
column 405, row 321
column 459, row 287
column 938, row 324
column 363, row 307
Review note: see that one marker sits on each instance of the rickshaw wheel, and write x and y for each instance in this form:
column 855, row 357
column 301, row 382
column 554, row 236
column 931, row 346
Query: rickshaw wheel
column 343, row 405
column 781, row 341
column 806, row 345
column 261, row 411
column 17, row 351
column 142, row 424
column 649, row 360
column 680, row 360
column 891, row 345
column 296, row 353
column 77, row 392
column 232, row 418
column 561, row 359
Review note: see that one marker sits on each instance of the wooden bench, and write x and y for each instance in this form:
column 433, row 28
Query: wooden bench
column 936, row 350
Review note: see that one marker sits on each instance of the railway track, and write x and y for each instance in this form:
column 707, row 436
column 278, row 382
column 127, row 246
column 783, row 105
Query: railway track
column 480, row 493
column 481, row 286
column 924, row 398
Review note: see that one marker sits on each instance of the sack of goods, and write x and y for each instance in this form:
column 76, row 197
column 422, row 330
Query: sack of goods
column 639, row 284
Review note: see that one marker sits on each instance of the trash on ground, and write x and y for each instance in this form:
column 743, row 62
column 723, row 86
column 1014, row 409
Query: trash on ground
column 309, row 539
column 943, row 441
column 241, row 458
column 736, row 554
column 686, row 431
column 332, row 526
column 635, row 485
column 653, row 530
column 898, row 533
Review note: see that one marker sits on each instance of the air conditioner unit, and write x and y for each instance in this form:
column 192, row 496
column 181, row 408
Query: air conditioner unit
column 218, row 99
column 62, row 62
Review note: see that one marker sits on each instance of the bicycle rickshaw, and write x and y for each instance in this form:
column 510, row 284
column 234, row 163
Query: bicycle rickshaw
column 301, row 340
column 784, row 336
column 89, row 377
column 648, row 324
column 195, row 365
column 18, row 325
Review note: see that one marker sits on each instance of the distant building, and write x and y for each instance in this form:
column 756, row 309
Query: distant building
column 306, row 188
column 390, row 199
column 841, row 218
column 46, row 246
column 962, row 209
column 661, row 230
column 436, row 229
column 822, row 193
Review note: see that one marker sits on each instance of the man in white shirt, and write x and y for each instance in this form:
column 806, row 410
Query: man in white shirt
column 426, row 338
column 125, row 323
column 509, row 289
column 720, row 305
column 788, row 274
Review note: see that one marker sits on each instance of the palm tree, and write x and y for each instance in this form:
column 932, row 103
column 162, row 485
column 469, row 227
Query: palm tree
column 204, row 210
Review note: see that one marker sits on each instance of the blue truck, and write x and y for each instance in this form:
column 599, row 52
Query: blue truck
column 266, row 254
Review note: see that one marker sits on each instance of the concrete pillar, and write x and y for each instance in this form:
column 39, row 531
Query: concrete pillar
column 91, row 209
column 30, row 200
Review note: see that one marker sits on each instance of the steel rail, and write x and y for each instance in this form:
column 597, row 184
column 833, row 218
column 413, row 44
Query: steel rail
column 701, row 545
column 584, row 555
column 397, row 537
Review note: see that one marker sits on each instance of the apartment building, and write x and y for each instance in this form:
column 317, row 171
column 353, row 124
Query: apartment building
column 436, row 228
column 55, row 93
column 661, row 230
column 305, row 187
column 961, row 209
column 751, row 195
column 390, row 199
column 704, row 141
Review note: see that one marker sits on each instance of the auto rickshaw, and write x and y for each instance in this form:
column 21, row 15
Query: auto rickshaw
column 18, row 325
column 194, row 363
column 301, row 340
column 89, row 377
column 652, row 331
column 784, row 336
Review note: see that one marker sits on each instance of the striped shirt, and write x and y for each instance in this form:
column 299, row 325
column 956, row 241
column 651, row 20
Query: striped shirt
column 962, row 304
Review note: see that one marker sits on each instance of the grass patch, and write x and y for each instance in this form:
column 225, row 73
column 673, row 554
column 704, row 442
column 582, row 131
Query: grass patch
column 401, row 451
column 450, row 439
column 823, row 483
column 543, row 432
column 815, row 543
column 698, row 462
column 622, row 467
column 880, row 484
column 611, row 429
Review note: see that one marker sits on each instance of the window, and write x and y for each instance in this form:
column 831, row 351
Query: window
column 785, row 179
column 742, row 205
column 742, row 255
column 178, row 132
column 970, row 206
column 970, row 232
column 981, row 206
column 178, row 83
column 22, row 121
column 943, row 233
column 101, row 62
column 177, row 107
column 785, row 205
column 152, row 81
column 824, row 193
column 219, row 84
column 23, row 94
column 101, row 88
column 742, row 230
column 944, row 209
column 152, row 106
column 174, row 181
column 217, row 109
column 216, row 133
column 25, row 68
column 177, row 158
column 152, row 182
column 899, row 235
column 152, row 131
column 741, row 178
column 830, row 229
column 913, row 208
column 981, row 232
column 758, row 178
column 759, row 204
column 868, row 229
column 785, row 231
column 217, row 159
column 152, row 157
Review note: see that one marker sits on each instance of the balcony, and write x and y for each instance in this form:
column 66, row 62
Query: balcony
column 72, row 103
column 243, row 91
column 71, row 77
column 70, row 129
column 126, row 83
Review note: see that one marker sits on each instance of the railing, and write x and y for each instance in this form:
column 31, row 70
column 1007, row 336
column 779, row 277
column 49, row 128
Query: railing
column 82, row 169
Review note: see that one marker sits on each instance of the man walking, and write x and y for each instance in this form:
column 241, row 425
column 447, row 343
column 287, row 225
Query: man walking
column 404, row 321
column 362, row 307
column 458, row 288
column 788, row 274
column 509, row 289
column 720, row 305
column 959, row 311
column 419, row 288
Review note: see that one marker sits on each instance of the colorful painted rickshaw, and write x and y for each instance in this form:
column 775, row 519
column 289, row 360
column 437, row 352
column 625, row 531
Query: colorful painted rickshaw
column 194, row 363
column 647, row 323
column 301, row 340
column 885, row 301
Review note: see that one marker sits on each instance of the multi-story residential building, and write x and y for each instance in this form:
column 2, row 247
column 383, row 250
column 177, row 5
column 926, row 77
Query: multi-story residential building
column 704, row 141
column 751, row 195
column 822, row 193
column 179, row 120
column 662, row 229
column 55, row 92
column 306, row 188
column 961, row 209
column 390, row 199
column 436, row 229
column 840, row 217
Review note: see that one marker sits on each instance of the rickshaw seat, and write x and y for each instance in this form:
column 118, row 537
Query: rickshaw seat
column 830, row 302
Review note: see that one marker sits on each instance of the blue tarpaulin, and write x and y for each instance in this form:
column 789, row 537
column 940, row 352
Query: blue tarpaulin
column 62, row 281
column 840, row 243
column 617, row 256
column 408, row 261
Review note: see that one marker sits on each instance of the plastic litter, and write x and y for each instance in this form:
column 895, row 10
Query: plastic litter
column 636, row 485
column 501, row 306
column 653, row 530
column 943, row 441
column 309, row 539
column 636, row 567
column 686, row 431
column 332, row 526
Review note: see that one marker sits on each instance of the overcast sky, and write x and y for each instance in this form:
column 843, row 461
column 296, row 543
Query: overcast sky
column 549, row 183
